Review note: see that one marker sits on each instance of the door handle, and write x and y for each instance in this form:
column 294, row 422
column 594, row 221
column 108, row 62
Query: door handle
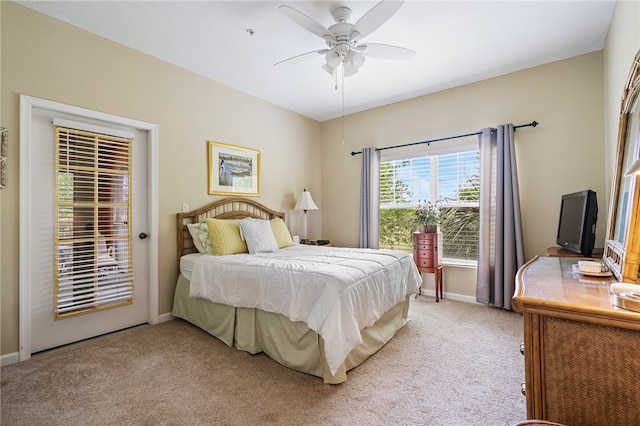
column 142, row 235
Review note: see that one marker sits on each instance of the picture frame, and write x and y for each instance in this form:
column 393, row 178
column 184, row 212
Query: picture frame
column 233, row 170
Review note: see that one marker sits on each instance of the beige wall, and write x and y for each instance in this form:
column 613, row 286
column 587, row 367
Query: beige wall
column 38, row 56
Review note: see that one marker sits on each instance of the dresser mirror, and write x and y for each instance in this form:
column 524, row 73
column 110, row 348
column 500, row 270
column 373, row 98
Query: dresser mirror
column 622, row 244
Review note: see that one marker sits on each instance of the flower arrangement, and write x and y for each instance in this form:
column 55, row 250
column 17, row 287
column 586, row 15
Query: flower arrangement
column 428, row 216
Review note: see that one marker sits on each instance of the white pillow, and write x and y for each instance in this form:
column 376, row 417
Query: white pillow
column 201, row 238
column 258, row 235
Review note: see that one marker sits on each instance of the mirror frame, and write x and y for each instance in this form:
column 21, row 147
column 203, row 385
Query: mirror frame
column 622, row 256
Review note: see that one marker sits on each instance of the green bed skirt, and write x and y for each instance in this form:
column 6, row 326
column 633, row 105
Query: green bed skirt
column 289, row 343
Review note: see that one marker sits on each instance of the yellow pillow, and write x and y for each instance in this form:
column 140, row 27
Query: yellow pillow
column 281, row 232
column 225, row 237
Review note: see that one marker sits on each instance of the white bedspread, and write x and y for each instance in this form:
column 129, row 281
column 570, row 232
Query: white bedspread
column 335, row 291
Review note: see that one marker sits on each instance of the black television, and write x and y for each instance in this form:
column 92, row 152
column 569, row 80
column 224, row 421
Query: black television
column 577, row 226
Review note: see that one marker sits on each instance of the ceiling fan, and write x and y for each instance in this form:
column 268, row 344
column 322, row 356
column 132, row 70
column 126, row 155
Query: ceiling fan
column 343, row 39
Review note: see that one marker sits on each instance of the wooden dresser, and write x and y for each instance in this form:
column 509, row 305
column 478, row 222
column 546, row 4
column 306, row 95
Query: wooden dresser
column 582, row 354
column 427, row 255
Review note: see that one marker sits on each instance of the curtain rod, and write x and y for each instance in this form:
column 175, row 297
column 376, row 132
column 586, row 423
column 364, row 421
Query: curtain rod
column 532, row 124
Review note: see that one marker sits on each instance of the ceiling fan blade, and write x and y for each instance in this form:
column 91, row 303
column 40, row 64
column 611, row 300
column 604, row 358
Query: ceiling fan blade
column 377, row 16
column 386, row 51
column 305, row 22
column 301, row 57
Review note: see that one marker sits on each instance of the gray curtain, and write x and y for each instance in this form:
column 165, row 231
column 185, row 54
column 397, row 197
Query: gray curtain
column 500, row 245
column 370, row 199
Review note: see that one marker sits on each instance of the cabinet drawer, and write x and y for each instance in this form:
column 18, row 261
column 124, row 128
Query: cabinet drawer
column 424, row 239
column 424, row 263
column 422, row 247
column 424, row 253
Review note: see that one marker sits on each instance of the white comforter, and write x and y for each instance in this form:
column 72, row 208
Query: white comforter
column 335, row 291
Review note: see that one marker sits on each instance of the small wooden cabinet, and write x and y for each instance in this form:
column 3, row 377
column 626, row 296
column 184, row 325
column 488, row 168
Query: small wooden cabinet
column 427, row 255
column 582, row 353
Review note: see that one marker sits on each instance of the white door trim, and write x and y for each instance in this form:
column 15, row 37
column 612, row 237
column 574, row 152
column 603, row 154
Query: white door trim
column 27, row 104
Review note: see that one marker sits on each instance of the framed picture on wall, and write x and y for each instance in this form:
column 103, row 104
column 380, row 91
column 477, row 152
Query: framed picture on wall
column 233, row 170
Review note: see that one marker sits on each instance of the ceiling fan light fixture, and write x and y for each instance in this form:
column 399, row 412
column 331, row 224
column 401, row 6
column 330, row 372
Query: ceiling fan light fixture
column 349, row 69
column 333, row 59
column 330, row 70
column 356, row 59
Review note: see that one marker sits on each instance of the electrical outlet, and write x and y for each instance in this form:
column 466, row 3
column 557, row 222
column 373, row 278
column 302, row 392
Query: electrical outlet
column 185, row 207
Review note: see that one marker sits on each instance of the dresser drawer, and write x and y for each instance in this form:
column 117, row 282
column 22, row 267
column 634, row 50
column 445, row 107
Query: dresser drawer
column 424, row 253
column 422, row 247
column 424, row 263
column 424, row 239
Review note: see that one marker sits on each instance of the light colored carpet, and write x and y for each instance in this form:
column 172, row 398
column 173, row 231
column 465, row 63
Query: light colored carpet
column 454, row 364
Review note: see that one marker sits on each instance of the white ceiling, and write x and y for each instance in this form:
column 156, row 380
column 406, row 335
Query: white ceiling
column 456, row 42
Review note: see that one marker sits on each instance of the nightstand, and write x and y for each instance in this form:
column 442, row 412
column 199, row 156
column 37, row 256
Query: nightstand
column 427, row 255
column 315, row 243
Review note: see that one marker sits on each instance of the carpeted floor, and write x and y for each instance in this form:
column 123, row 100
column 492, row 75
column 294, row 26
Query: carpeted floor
column 454, row 364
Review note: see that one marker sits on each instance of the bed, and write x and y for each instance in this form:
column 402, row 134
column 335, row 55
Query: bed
column 318, row 310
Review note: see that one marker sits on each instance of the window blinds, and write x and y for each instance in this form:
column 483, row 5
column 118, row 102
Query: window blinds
column 451, row 180
column 446, row 178
column 92, row 241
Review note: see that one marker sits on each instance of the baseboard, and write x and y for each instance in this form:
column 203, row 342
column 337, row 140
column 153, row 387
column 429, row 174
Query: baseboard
column 452, row 296
column 9, row 359
column 460, row 297
column 165, row 317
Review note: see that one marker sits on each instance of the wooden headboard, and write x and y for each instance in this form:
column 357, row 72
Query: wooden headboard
column 227, row 208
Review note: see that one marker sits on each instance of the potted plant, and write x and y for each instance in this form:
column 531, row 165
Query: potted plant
column 428, row 216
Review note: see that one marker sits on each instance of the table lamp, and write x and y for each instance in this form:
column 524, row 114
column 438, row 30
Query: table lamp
column 305, row 202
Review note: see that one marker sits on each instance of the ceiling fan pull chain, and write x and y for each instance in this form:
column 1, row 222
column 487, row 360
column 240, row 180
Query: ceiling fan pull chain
column 342, row 74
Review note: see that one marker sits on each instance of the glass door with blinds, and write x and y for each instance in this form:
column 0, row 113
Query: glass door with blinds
column 88, row 268
column 86, row 240
column 92, row 235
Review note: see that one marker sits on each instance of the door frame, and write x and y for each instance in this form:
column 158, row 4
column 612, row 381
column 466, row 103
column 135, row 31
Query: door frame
column 27, row 105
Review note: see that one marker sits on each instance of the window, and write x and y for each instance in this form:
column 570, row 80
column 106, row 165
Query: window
column 449, row 179
column 92, row 237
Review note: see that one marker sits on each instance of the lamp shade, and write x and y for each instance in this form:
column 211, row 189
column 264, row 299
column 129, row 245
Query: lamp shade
column 333, row 59
column 328, row 69
column 305, row 202
column 634, row 169
column 357, row 59
column 349, row 69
